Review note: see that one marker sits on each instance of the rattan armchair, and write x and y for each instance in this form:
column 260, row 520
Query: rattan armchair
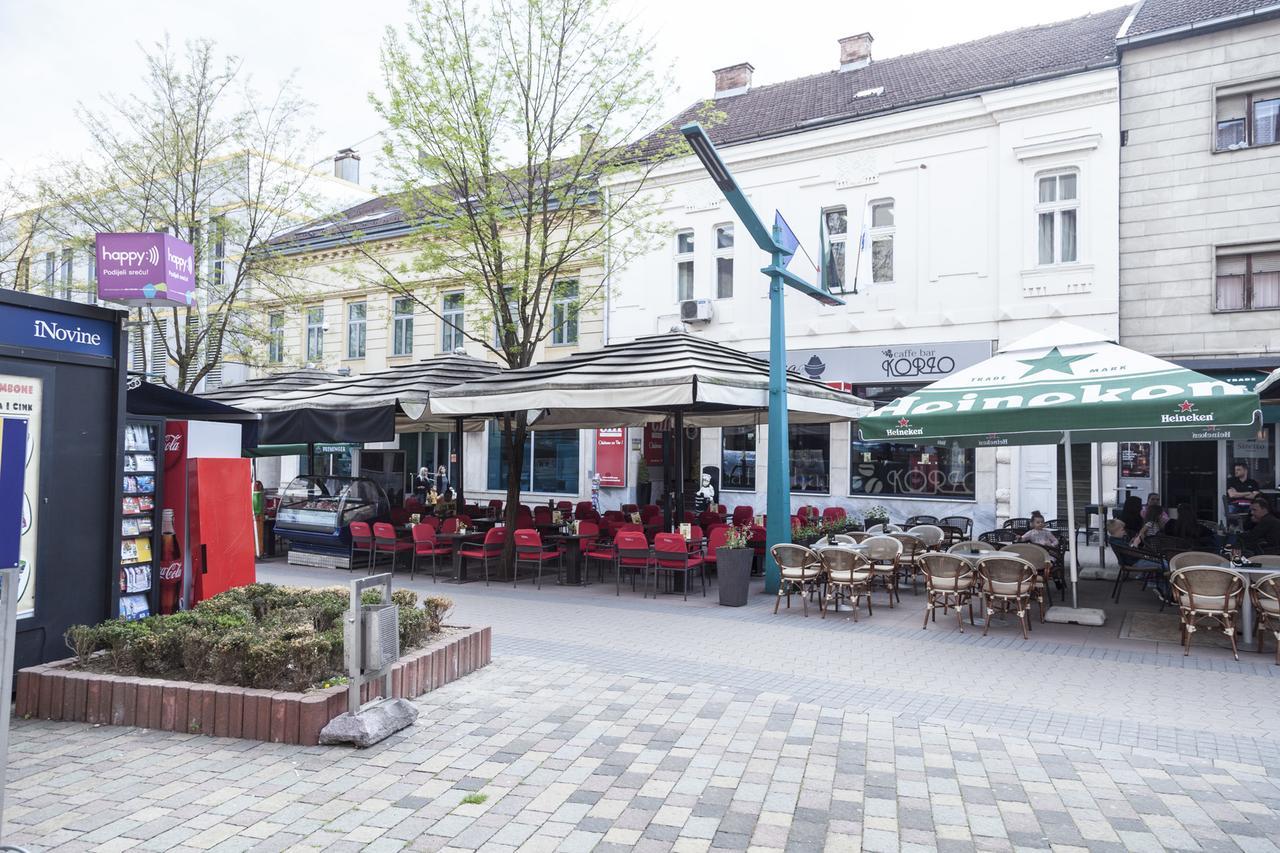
column 883, row 553
column 1039, row 557
column 972, row 545
column 1266, row 606
column 801, row 570
column 948, row 582
column 913, row 548
column 1008, row 584
column 1208, row 593
column 848, row 574
column 930, row 534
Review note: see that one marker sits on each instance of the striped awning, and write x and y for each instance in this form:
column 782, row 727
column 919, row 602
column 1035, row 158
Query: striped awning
column 644, row 381
column 252, row 392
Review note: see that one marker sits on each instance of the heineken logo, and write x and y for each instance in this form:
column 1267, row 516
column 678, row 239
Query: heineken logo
column 903, row 422
column 1185, row 413
column 1088, row 393
column 1212, row 433
column 993, row 440
column 904, row 428
column 1186, row 406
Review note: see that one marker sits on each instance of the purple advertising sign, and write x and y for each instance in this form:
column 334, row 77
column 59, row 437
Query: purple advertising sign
column 146, row 269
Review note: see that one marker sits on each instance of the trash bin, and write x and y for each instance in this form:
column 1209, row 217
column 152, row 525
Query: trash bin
column 733, row 568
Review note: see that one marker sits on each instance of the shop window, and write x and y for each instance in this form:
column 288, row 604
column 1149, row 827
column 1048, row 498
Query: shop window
column 911, row 470
column 551, row 461
column 1248, row 118
column 402, row 326
column 835, row 236
column 451, row 323
column 1057, row 217
column 738, row 459
column 357, row 313
column 564, row 313
column 882, row 237
column 275, row 341
column 724, row 261
column 810, row 446
column 1258, row 454
column 684, row 265
column 1247, row 281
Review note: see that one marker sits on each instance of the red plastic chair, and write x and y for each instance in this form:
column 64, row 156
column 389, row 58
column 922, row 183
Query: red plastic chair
column 564, row 506
column 495, row 508
column 695, row 539
column 721, row 510
column 399, row 516
column 431, row 521
column 833, row 514
column 588, row 528
column 425, row 545
column 385, row 542
column 715, row 539
column 488, row 551
column 530, row 550
column 361, row 540
column 632, row 554
column 743, row 516
column 450, row 525
column 583, row 507
column 671, row 554
column 630, row 508
column 541, row 515
column 707, row 519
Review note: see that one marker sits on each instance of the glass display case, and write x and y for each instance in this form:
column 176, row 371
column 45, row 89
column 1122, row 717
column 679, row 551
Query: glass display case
column 316, row 510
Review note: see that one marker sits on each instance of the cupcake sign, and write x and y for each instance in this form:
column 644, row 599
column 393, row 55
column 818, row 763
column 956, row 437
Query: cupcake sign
column 145, row 269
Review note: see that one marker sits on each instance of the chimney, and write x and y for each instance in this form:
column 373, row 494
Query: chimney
column 346, row 165
column 855, row 51
column 733, row 79
column 586, row 139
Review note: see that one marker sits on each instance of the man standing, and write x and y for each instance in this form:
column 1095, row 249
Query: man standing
column 1241, row 488
column 1264, row 536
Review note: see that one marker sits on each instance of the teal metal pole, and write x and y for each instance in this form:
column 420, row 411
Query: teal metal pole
column 778, row 502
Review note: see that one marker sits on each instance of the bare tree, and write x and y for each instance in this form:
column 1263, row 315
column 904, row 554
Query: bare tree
column 505, row 119
column 19, row 221
column 197, row 152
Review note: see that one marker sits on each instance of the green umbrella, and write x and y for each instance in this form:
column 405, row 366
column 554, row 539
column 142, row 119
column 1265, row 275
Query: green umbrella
column 1065, row 384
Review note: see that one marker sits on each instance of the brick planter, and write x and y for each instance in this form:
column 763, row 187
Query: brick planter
column 54, row 691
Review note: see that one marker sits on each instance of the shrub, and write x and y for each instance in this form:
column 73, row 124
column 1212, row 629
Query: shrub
column 437, row 608
column 83, row 641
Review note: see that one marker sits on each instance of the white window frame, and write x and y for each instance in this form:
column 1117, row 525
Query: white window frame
column 451, row 337
column 357, row 330
column 882, row 233
column 719, row 254
column 401, row 326
column 564, row 313
column 66, row 268
column 682, row 258
column 829, row 239
column 1247, row 255
column 91, row 277
column 1055, row 209
column 275, row 338
column 315, row 333
column 1249, row 91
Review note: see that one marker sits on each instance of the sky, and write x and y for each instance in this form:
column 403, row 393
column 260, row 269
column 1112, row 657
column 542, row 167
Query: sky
column 56, row 53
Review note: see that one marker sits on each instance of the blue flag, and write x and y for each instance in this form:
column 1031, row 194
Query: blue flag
column 786, row 237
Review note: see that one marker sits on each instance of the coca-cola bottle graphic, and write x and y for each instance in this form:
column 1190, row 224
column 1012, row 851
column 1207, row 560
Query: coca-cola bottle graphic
column 170, row 565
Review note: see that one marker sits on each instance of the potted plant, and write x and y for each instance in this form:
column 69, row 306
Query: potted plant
column 877, row 514
column 733, row 567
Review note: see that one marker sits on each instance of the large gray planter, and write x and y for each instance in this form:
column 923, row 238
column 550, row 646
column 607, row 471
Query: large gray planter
column 733, row 568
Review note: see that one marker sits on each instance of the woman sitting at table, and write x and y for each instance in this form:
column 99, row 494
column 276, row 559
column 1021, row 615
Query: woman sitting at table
column 1188, row 528
column 1150, row 524
column 1039, row 534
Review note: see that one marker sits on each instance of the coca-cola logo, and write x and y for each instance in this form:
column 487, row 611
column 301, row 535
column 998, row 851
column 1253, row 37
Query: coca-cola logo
column 172, row 442
column 171, row 571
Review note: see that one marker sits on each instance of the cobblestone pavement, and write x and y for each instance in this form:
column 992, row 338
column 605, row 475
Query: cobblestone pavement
column 613, row 723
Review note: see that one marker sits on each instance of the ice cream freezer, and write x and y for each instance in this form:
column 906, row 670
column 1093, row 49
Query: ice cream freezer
column 316, row 512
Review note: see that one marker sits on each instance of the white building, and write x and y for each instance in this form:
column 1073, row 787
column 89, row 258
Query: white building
column 959, row 198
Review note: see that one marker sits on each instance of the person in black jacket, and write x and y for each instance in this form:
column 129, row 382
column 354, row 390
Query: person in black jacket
column 1264, row 536
column 1131, row 515
column 1188, row 528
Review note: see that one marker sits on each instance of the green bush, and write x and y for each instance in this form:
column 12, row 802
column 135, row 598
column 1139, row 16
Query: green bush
column 437, row 608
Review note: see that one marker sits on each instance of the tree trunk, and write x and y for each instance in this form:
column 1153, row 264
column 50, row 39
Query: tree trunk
column 515, row 432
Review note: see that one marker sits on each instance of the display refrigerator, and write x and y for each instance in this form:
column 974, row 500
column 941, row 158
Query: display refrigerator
column 316, row 512
column 220, row 518
column 140, row 519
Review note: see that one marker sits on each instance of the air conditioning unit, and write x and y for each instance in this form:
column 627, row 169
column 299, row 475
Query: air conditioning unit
column 695, row 311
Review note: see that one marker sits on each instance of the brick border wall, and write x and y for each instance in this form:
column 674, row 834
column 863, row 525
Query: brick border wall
column 53, row 691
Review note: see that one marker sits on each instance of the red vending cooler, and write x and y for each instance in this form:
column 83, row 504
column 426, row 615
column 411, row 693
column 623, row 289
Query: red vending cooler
column 220, row 519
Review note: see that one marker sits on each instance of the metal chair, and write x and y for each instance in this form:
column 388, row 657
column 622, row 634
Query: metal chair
column 1209, row 593
column 385, row 541
column 1266, row 605
column 671, row 554
column 1018, row 525
column 361, row 540
column 883, row 553
column 1008, row 582
column 425, row 545
column 848, row 572
column 801, row 571
column 530, row 550
column 1003, row 536
column 917, row 520
column 948, row 582
column 963, row 522
column 490, row 550
column 1134, row 561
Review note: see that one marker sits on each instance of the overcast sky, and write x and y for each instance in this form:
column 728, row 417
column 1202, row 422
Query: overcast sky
column 54, row 53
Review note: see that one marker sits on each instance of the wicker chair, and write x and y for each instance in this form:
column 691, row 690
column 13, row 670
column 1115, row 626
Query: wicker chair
column 1266, row 605
column 1197, row 558
column 913, row 548
column 1043, row 561
column 801, row 572
column 883, row 552
column 917, row 520
column 1208, row 593
column 930, row 534
column 848, row 573
column 963, row 522
column 951, row 534
column 1135, row 561
column 844, row 539
column 1018, row 525
column 1009, row 583
column 879, row 529
column 972, row 545
column 998, row 537
column 948, row 582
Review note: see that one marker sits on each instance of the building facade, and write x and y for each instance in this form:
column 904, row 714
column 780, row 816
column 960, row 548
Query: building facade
column 1200, row 220
column 958, row 199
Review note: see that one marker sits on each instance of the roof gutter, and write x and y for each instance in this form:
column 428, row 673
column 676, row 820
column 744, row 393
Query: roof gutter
column 1197, row 28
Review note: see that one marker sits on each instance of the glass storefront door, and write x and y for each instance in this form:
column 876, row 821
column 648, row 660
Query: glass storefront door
column 1190, row 475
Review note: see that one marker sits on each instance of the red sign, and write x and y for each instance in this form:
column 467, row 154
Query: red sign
column 652, row 445
column 173, row 572
column 611, row 456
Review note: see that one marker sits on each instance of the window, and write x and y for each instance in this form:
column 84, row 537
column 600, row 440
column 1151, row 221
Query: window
column 356, row 312
column 315, row 334
column 159, row 352
column 217, row 256
column 1057, row 209
column 724, row 261
column 551, row 461
column 1247, row 119
column 684, row 265
column 402, row 326
column 67, row 264
column 908, row 469
column 50, row 272
column 452, row 320
column 835, row 235
column 810, row 446
column 882, row 241
column 738, row 459
column 564, row 313
column 275, row 339
column 91, row 277
column 1247, row 282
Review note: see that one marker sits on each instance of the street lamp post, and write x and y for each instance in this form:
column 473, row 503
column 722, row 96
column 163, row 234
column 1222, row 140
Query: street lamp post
column 778, row 502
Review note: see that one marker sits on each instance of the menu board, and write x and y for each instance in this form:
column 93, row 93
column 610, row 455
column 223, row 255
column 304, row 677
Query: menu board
column 1135, row 460
column 21, row 398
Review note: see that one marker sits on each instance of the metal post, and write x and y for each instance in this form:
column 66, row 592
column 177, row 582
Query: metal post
column 778, row 500
column 1071, row 519
column 8, row 636
column 459, row 499
column 668, row 513
column 679, row 466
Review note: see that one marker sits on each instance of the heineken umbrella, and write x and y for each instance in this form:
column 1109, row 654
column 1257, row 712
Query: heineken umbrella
column 1066, row 384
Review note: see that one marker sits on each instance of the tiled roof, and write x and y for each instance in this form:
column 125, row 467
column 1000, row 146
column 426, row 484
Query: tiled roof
column 915, row 79
column 1159, row 16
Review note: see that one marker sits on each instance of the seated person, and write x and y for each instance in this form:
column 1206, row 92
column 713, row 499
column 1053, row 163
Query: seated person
column 1153, row 499
column 1117, row 535
column 1131, row 515
column 1151, row 524
column 1241, row 488
column 1188, row 528
column 1039, row 534
column 1264, row 536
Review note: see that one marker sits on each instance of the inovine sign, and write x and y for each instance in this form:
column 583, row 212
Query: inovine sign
column 145, row 269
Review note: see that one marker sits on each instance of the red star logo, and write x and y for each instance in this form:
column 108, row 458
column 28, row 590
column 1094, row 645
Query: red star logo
column 1186, row 406
column 903, row 422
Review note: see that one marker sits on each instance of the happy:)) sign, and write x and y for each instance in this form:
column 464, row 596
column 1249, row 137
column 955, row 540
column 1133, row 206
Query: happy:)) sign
column 145, row 269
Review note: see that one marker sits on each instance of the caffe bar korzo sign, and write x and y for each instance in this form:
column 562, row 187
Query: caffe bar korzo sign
column 145, row 269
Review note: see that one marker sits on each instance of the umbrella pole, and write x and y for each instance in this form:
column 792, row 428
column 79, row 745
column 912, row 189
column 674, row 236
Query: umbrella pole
column 1071, row 519
column 457, row 441
column 679, row 466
